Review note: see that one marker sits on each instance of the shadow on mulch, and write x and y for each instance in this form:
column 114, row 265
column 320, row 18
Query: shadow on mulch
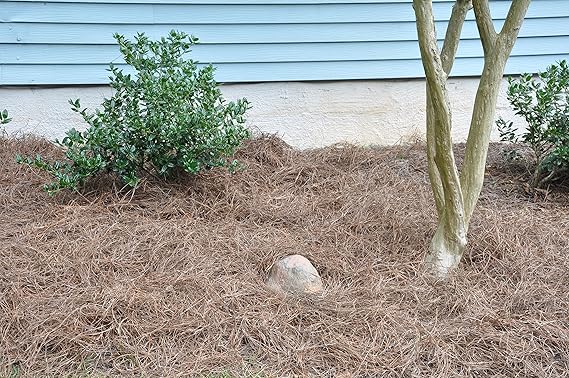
column 169, row 281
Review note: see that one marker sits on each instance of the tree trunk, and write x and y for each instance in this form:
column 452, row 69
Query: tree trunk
column 474, row 165
column 446, row 248
column 456, row 195
column 448, row 243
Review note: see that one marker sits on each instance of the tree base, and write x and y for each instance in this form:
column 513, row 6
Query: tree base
column 442, row 263
column 446, row 252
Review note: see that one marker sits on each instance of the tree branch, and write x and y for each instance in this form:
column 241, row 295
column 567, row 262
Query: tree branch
column 472, row 175
column 434, row 176
column 484, row 23
column 448, row 54
column 513, row 23
column 452, row 36
column 441, row 133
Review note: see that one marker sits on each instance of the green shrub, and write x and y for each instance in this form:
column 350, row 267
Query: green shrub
column 168, row 115
column 4, row 119
column 543, row 101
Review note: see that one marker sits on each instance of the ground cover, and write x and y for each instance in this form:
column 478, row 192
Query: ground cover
column 169, row 281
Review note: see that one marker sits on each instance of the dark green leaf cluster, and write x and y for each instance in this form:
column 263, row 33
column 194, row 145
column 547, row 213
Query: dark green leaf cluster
column 543, row 102
column 4, row 118
column 166, row 114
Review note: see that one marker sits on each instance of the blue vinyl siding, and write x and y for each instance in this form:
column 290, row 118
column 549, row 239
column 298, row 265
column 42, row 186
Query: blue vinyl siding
column 70, row 42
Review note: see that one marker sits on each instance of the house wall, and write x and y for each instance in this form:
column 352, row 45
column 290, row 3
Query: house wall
column 70, row 41
column 304, row 114
column 316, row 71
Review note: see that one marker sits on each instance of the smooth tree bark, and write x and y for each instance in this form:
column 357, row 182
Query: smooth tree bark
column 456, row 193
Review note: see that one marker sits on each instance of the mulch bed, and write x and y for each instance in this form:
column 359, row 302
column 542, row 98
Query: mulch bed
column 170, row 280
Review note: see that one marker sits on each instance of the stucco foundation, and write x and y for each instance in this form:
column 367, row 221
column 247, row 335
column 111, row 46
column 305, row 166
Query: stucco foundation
column 305, row 114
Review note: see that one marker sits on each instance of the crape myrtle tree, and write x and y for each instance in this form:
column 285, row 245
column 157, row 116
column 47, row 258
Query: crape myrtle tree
column 456, row 193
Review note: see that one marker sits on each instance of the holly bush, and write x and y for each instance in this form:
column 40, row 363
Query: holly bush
column 165, row 114
column 543, row 102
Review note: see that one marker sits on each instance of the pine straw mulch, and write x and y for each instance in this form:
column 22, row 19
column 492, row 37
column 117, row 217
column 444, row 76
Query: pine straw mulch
column 170, row 281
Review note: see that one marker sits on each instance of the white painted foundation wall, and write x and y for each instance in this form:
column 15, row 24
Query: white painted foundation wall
column 304, row 114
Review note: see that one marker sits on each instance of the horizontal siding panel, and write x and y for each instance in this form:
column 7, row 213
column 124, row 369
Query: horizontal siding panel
column 207, row 14
column 268, row 33
column 232, row 2
column 136, row 13
column 259, row 72
column 236, row 53
column 266, row 2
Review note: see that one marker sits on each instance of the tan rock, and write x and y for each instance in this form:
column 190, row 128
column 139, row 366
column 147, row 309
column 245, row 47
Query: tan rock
column 295, row 275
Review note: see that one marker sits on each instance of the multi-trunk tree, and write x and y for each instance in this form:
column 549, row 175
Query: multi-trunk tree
column 456, row 193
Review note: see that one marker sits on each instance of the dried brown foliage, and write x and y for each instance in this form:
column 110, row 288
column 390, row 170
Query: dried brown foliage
column 169, row 281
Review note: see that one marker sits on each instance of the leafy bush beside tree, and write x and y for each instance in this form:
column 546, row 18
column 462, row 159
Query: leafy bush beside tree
column 4, row 118
column 543, row 101
column 166, row 116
